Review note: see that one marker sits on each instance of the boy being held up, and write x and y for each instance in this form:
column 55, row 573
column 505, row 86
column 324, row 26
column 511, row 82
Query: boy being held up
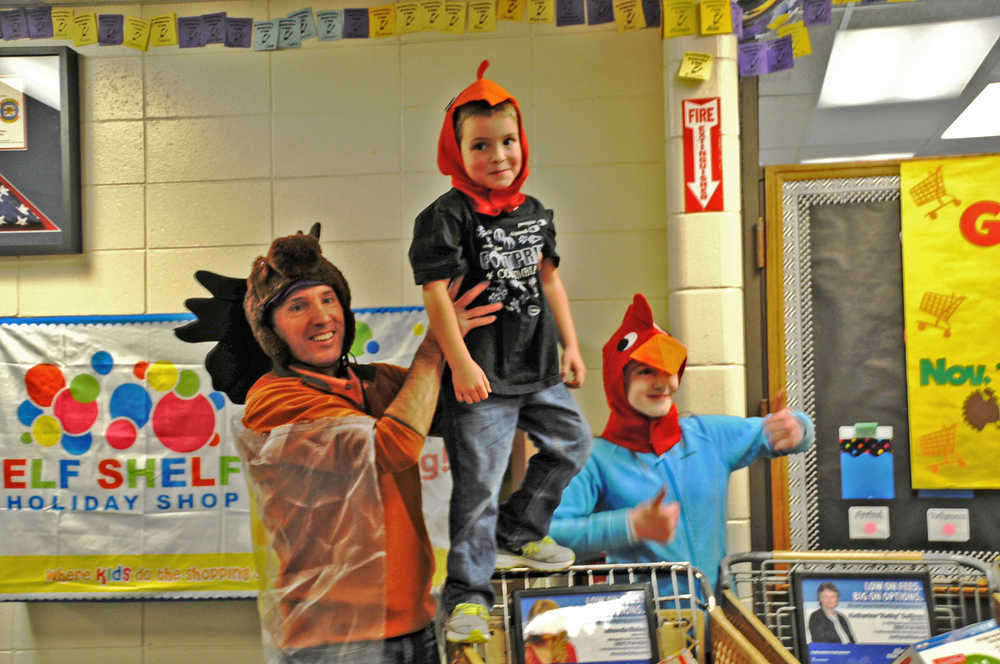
column 505, row 375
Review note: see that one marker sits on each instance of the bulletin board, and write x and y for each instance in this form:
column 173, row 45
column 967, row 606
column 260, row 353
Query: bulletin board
column 836, row 342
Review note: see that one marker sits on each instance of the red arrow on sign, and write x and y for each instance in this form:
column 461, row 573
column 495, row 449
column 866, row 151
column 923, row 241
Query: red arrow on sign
column 702, row 155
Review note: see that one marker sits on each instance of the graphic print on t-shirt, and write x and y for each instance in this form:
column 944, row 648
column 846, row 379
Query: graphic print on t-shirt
column 510, row 257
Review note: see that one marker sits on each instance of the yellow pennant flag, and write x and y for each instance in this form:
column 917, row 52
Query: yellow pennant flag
column 136, row 33
column 511, row 10
column 950, row 236
column 408, row 17
column 678, row 18
column 541, row 11
column 382, row 21
column 454, row 17
column 801, row 44
column 628, row 15
column 716, row 17
column 163, row 30
column 482, row 15
column 695, row 66
column 432, row 15
column 62, row 19
column 84, row 29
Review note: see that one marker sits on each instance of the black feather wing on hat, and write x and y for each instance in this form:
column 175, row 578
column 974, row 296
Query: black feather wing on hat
column 236, row 361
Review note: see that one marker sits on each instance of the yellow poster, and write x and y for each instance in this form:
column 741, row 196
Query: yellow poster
column 679, row 18
column 432, row 15
column 136, row 33
column 541, row 11
column 454, row 17
column 628, row 15
column 382, row 21
column 951, row 268
column 511, row 10
column 482, row 15
column 408, row 17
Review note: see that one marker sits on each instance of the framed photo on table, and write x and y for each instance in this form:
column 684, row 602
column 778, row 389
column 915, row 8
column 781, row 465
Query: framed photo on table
column 39, row 151
column 862, row 618
column 611, row 624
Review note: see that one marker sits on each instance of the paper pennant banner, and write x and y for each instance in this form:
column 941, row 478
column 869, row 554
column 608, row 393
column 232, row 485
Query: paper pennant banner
column 307, row 22
column 432, row 15
column 84, row 29
column 716, row 17
column 330, row 24
column 265, row 35
column 600, row 12
column 288, row 33
column 780, row 54
column 817, row 12
column 136, row 33
column 570, row 12
column 382, row 21
column 214, row 26
column 238, row 32
column 753, row 58
column 737, row 14
column 801, row 44
column 356, row 23
column 541, row 11
column 628, row 15
column 62, row 19
column 14, row 24
column 408, row 17
column 512, row 10
column 191, row 32
column 483, row 15
column 163, row 30
column 652, row 13
column 679, row 18
column 40, row 23
column 696, row 66
column 110, row 29
column 454, row 17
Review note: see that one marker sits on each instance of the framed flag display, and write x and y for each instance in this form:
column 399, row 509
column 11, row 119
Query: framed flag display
column 39, row 151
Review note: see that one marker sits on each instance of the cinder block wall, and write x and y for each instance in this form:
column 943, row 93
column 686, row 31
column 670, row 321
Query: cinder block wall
column 196, row 158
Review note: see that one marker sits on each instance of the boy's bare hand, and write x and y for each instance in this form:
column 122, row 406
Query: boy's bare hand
column 470, row 383
column 477, row 316
column 781, row 426
column 574, row 371
column 655, row 521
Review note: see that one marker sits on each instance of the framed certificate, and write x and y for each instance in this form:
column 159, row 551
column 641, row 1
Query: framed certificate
column 39, row 151
column 613, row 624
column 845, row 618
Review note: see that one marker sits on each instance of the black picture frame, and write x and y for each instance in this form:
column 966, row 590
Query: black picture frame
column 618, row 621
column 41, row 180
column 885, row 613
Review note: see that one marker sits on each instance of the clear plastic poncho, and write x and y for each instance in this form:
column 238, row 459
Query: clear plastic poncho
column 319, row 540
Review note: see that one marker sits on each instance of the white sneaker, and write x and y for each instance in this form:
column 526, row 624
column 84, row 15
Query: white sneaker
column 543, row 554
column 469, row 622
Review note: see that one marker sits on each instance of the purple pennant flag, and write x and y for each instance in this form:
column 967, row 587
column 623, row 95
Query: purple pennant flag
column 753, row 58
column 40, row 22
column 215, row 27
column 817, row 12
column 600, row 11
column 238, row 32
column 14, row 24
column 780, row 54
column 569, row 12
column 737, row 13
column 356, row 23
column 651, row 11
column 110, row 29
column 190, row 32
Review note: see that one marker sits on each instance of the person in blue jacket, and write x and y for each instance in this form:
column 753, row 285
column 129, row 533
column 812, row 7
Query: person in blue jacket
column 655, row 486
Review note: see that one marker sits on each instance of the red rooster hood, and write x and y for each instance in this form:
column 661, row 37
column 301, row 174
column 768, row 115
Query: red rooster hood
column 640, row 339
column 450, row 162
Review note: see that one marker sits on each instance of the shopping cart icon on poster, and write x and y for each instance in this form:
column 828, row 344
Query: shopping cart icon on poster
column 941, row 443
column 940, row 306
column 931, row 188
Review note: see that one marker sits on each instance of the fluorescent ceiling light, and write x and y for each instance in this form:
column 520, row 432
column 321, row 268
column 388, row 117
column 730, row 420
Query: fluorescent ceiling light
column 906, row 63
column 862, row 157
column 980, row 118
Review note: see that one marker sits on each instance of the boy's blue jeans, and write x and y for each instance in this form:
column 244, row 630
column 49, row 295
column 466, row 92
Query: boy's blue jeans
column 479, row 438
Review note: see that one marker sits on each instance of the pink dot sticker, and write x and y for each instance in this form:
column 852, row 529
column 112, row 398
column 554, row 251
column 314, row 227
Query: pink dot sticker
column 870, row 527
column 948, row 529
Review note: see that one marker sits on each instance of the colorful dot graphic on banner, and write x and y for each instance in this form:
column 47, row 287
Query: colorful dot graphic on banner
column 182, row 419
column 362, row 334
column 419, row 329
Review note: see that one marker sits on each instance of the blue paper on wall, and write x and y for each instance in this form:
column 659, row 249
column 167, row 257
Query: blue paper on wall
column 40, row 22
column 569, row 12
column 866, row 465
column 191, row 32
column 265, row 36
column 15, row 24
column 238, row 32
column 600, row 11
column 356, row 23
column 215, row 27
column 330, row 24
column 651, row 12
column 110, row 29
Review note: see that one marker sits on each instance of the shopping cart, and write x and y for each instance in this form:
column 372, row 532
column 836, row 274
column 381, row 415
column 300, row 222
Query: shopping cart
column 931, row 188
column 941, row 307
column 682, row 597
column 756, row 590
column 941, row 443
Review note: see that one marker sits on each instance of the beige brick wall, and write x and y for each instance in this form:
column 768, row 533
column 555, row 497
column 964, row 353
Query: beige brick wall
column 196, row 158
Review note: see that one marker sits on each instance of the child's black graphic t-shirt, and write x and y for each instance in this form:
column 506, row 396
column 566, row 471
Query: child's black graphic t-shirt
column 519, row 352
